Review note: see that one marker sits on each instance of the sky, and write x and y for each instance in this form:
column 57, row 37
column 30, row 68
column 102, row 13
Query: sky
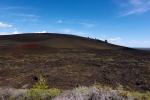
column 121, row 22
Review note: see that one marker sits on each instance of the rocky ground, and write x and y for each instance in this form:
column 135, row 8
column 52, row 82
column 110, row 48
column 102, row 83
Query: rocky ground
column 70, row 61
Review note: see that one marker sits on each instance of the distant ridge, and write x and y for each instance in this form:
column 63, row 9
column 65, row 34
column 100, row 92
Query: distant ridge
column 59, row 40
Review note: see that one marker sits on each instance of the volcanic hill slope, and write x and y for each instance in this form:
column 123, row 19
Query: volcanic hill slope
column 68, row 61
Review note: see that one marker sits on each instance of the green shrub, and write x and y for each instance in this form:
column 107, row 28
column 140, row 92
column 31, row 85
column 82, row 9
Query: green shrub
column 40, row 94
column 41, row 84
column 40, row 90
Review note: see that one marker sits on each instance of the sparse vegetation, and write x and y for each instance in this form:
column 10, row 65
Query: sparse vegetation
column 40, row 90
column 98, row 92
column 42, row 94
column 126, row 94
column 95, row 92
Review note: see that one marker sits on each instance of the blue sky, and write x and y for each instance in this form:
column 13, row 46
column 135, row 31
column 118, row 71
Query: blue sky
column 123, row 22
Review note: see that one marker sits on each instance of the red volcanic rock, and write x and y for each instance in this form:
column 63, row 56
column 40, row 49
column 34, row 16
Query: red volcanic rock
column 3, row 46
column 27, row 46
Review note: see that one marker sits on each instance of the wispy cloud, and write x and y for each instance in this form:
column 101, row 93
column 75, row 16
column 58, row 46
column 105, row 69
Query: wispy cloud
column 71, row 31
column 76, row 22
column 5, row 25
column 8, row 33
column 137, row 43
column 88, row 25
column 135, row 7
column 26, row 15
column 115, row 39
column 19, row 13
column 10, row 8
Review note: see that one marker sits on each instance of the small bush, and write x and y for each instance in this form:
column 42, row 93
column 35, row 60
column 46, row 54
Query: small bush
column 40, row 90
column 40, row 94
column 41, row 84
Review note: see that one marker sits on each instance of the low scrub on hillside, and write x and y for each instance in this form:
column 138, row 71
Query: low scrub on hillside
column 80, row 93
column 40, row 91
column 101, row 93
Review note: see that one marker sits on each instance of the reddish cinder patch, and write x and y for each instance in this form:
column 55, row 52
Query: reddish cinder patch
column 27, row 46
column 3, row 46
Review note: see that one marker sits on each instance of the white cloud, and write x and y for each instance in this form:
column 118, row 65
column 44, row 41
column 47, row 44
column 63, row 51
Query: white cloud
column 74, row 32
column 4, row 25
column 139, row 42
column 115, row 39
column 136, row 11
column 8, row 33
column 12, row 30
column 67, row 31
column 15, row 32
column 135, row 43
column 41, row 32
column 136, row 7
